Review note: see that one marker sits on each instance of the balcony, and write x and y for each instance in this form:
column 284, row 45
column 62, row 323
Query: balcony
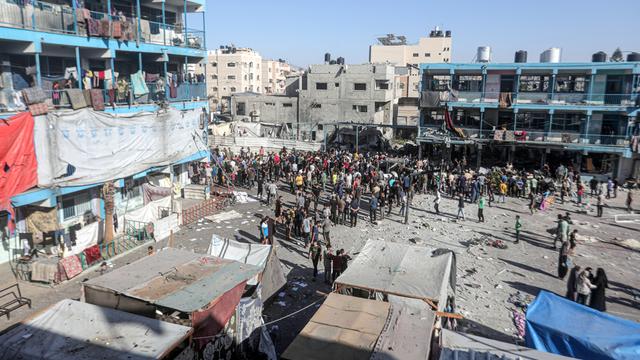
column 523, row 99
column 59, row 19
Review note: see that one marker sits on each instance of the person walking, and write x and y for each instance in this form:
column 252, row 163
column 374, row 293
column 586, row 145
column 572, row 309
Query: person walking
column 337, row 265
column 327, row 258
column 436, row 202
column 584, row 286
column 572, row 283
column 503, row 191
column 460, row 207
column 564, row 261
column 373, row 208
column 354, row 209
column 326, row 229
column 272, row 191
column 315, row 254
column 598, row 299
column 518, row 227
column 481, row 208
column 629, row 201
column 306, row 229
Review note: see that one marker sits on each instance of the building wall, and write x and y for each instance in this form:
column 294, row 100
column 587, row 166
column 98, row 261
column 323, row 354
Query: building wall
column 266, row 108
column 427, row 50
column 225, row 79
column 274, row 76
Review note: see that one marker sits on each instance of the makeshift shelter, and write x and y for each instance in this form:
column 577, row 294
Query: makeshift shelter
column 346, row 327
column 385, row 268
column 560, row 326
column 184, row 287
column 455, row 345
column 271, row 278
column 72, row 330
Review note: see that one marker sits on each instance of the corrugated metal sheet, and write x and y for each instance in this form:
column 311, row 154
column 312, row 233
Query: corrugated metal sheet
column 176, row 279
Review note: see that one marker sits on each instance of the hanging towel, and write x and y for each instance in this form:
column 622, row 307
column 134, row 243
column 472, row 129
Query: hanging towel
column 76, row 98
column 71, row 72
column 116, row 29
column 505, row 99
column 137, row 83
column 104, row 28
column 97, row 99
column 94, row 27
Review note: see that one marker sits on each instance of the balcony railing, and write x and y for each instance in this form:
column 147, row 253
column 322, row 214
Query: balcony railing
column 535, row 136
column 56, row 18
column 544, row 98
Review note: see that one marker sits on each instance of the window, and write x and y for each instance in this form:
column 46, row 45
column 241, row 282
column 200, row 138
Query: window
column 337, row 85
column 572, row 84
column 321, row 86
column 287, row 105
column 531, row 121
column 360, row 86
column 241, row 108
column 316, row 106
column 76, row 205
column 401, row 86
column 471, row 83
column 360, row 108
column 231, row 77
column 214, row 77
column 534, row 83
column 214, row 64
column 416, row 54
column 231, row 64
column 257, row 77
column 214, row 88
column 251, row 76
column 251, row 64
column 382, row 84
column 232, row 89
column 320, row 127
column 569, row 122
column 270, row 104
column 445, row 49
column 427, row 54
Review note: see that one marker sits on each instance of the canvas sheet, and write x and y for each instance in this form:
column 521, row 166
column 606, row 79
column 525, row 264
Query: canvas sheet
column 407, row 335
column 75, row 330
column 561, row 326
column 86, row 237
column 404, row 270
column 162, row 227
column 150, row 212
column 18, row 166
column 248, row 317
column 152, row 192
column 40, row 219
column 84, row 147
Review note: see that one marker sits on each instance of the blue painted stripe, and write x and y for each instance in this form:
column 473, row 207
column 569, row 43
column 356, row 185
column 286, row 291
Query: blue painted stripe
column 535, row 66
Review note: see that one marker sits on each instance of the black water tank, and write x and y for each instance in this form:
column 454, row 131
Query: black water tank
column 439, row 33
column 599, row 57
column 332, row 62
column 432, row 33
column 634, row 56
column 521, row 56
column 327, row 57
column 340, row 60
column 447, row 33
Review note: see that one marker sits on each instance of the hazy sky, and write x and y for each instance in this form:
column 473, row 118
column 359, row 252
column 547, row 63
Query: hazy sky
column 302, row 31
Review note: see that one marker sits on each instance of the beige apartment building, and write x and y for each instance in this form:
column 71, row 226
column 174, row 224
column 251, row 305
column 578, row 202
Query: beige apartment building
column 274, row 76
column 392, row 49
column 232, row 70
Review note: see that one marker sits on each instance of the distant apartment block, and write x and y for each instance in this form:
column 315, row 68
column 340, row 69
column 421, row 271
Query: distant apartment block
column 232, row 70
column 274, row 76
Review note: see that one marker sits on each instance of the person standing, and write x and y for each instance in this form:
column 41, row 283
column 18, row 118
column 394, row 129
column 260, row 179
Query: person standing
column 272, row 191
column 599, row 204
column 264, row 230
column 503, row 191
column 436, row 202
column 315, row 254
column 327, row 258
column 381, row 203
column 598, row 299
column 260, row 187
column 518, row 227
column 326, row 228
column 342, row 214
column 306, row 229
column 373, row 208
column 584, row 286
column 629, row 201
column 354, row 208
column 481, row 209
column 572, row 282
column 337, row 265
column 460, row 207
column 278, row 210
column 564, row 262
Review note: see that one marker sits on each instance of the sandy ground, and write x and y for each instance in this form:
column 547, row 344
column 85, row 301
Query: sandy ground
column 487, row 276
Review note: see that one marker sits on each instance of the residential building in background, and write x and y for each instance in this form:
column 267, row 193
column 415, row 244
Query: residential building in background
column 340, row 93
column 231, row 70
column 534, row 114
column 274, row 76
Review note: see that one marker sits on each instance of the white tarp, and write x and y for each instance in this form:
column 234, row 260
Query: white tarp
column 399, row 269
column 150, row 212
column 253, row 254
column 86, row 237
column 72, row 330
column 162, row 227
column 84, row 147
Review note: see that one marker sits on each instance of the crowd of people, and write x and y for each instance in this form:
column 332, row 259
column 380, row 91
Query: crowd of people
column 332, row 188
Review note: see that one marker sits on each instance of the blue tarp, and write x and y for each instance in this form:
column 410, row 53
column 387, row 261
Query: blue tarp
column 561, row 326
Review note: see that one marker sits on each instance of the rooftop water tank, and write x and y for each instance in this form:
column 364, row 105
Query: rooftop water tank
column 447, row 33
column 551, row 55
column 340, row 60
column 332, row 62
column 484, row 54
column 599, row 57
column 327, row 58
column 439, row 33
column 521, row 56
column 634, row 56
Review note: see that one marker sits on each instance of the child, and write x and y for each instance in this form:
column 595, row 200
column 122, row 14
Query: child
column 518, row 227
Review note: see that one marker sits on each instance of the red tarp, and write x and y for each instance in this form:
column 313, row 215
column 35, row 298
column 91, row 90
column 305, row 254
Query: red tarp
column 18, row 164
column 208, row 323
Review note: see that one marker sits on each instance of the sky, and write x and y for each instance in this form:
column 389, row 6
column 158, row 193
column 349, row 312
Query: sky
column 301, row 31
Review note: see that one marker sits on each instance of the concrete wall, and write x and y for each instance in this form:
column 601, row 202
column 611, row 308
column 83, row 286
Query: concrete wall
column 247, row 72
column 428, row 50
column 266, row 108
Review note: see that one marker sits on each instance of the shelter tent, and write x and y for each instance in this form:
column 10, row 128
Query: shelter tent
column 383, row 269
column 72, row 330
column 184, row 287
column 455, row 345
column 560, row 326
column 346, row 327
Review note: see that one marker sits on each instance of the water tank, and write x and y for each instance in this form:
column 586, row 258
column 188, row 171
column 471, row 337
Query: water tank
column 340, row 60
column 484, row 54
column 600, row 56
column 432, row 33
column 551, row 55
column 439, row 33
column 634, row 56
column 327, row 58
column 332, row 62
column 447, row 33
column 520, row 57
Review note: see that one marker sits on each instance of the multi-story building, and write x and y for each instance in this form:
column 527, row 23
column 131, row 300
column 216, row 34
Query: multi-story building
column 338, row 94
column 392, row 49
column 135, row 55
column 579, row 114
column 274, row 76
column 231, row 70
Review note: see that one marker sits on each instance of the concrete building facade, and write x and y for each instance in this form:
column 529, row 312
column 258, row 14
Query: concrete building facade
column 232, row 70
column 333, row 94
column 274, row 76
column 275, row 109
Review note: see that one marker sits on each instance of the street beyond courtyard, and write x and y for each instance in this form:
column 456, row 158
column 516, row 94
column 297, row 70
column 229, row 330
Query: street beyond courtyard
column 491, row 281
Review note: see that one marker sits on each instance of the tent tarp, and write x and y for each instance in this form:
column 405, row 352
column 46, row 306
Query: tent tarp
column 84, row 147
column 18, row 165
column 347, row 327
column 262, row 256
column 399, row 269
column 454, row 345
column 175, row 279
column 560, row 326
column 72, row 330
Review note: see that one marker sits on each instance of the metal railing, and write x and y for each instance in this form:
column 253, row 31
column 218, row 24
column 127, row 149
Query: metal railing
column 545, row 98
column 57, row 18
column 526, row 136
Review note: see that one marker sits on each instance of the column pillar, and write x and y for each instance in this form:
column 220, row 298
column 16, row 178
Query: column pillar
column 38, row 72
column 516, row 85
column 139, row 23
column 484, row 83
column 164, row 27
column 75, row 17
column 515, row 119
column 591, row 84
column 186, row 37
column 186, row 73
column 78, row 68
column 552, row 86
column 33, row 14
column 550, row 126
column 481, row 123
column 586, row 128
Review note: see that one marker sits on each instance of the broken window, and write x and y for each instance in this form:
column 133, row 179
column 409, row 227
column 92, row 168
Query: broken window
column 534, row 83
column 321, row 86
column 382, row 84
column 287, row 105
column 427, row 54
column 360, row 108
column 231, row 77
column 316, row 106
column 360, row 86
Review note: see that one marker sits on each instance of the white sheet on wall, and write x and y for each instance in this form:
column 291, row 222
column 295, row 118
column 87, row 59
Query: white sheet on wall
column 86, row 237
column 98, row 146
